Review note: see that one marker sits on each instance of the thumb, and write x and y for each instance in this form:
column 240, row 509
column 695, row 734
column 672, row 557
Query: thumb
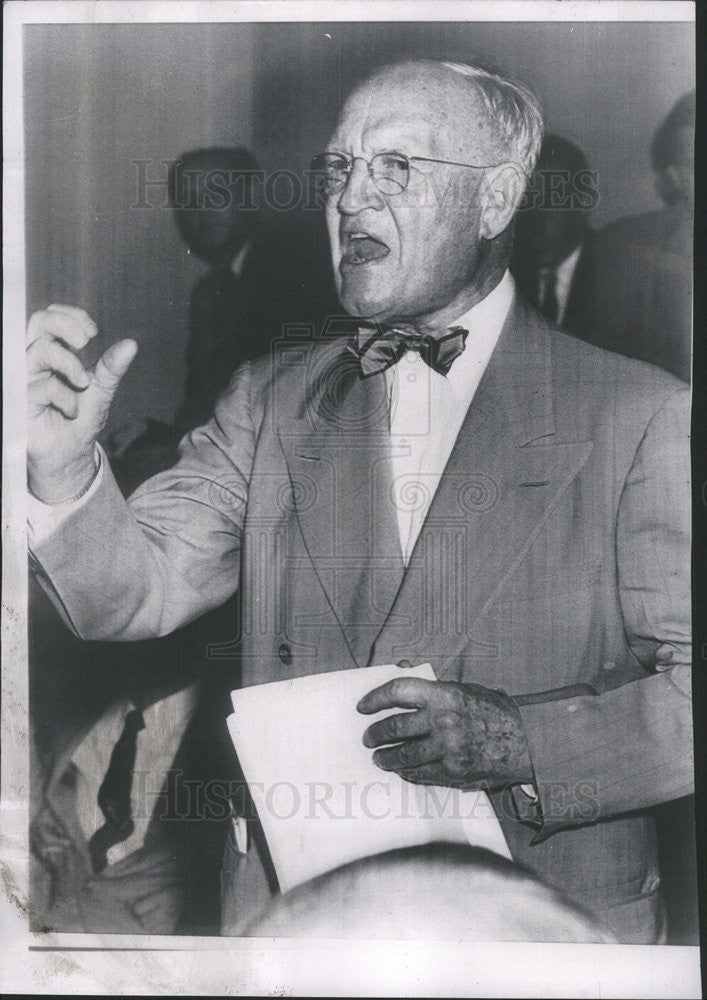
column 113, row 364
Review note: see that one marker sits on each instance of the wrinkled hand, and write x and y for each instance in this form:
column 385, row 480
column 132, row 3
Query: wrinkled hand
column 67, row 404
column 462, row 735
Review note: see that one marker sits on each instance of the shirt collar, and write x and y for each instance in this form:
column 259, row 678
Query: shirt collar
column 92, row 755
column 489, row 314
column 238, row 262
column 484, row 321
column 565, row 269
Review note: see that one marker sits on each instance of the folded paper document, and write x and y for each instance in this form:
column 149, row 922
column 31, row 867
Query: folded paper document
column 320, row 798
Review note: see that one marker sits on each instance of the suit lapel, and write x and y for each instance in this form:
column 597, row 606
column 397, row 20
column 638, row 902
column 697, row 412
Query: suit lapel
column 502, row 480
column 339, row 448
column 503, row 477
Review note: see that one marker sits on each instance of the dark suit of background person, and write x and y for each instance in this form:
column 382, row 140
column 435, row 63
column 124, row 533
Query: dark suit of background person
column 569, row 564
column 266, row 270
column 212, row 192
column 640, row 290
column 554, row 247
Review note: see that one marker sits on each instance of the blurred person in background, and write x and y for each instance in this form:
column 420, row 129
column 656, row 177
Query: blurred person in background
column 266, row 270
column 554, row 244
column 640, row 287
column 211, row 192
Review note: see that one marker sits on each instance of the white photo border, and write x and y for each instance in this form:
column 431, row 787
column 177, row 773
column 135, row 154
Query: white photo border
column 126, row 964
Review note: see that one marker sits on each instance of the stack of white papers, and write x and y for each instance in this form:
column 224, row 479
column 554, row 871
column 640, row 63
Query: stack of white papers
column 321, row 800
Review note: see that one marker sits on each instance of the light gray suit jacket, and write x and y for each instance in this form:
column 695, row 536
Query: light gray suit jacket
column 553, row 564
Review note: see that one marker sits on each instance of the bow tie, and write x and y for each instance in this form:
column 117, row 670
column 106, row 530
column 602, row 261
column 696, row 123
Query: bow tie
column 378, row 348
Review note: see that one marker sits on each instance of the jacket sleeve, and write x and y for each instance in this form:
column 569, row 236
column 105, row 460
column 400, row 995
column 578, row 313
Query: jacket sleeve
column 597, row 755
column 131, row 570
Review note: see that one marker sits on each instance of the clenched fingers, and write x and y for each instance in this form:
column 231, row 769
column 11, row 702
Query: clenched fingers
column 403, row 692
column 426, row 774
column 408, row 755
column 51, row 391
column 48, row 356
column 401, row 726
column 69, row 324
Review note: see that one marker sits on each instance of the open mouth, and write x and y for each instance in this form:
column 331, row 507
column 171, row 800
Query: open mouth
column 361, row 248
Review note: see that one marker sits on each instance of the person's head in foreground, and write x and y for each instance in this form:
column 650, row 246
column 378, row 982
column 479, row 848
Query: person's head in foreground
column 422, row 177
column 438, row 892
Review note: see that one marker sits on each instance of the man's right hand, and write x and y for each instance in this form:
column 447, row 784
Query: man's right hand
column 68, row 404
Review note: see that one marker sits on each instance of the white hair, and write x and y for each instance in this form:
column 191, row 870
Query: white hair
column 512, row 108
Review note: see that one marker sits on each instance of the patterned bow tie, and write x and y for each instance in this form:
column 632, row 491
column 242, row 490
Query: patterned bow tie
column 378, row 348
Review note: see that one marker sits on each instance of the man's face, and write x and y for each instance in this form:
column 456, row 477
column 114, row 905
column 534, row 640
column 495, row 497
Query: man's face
column 406, row 255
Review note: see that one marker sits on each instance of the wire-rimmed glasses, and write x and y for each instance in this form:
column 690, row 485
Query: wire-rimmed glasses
column 390, row 172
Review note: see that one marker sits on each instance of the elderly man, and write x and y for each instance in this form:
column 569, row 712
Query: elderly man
column 460, row 483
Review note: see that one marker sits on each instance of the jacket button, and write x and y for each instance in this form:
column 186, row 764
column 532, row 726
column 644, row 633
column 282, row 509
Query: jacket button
column 285, row 654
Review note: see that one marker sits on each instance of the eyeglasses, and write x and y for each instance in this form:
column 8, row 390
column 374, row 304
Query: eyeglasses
column 390, row 172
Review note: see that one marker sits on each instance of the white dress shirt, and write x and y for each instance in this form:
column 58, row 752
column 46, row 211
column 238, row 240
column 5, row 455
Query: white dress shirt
column 427, row 411
column 564, row 273
column 157, row 745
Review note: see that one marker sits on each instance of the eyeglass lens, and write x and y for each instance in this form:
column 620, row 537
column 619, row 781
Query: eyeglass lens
column 390, row 172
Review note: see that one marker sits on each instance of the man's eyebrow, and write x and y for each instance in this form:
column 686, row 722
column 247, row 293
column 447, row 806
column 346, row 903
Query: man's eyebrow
column 402, row 139
column 394, row 138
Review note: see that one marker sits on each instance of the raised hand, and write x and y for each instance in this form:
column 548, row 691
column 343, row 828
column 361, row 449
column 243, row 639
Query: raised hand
column 68, row 404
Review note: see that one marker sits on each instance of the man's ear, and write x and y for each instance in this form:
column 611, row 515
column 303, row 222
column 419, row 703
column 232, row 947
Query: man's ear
column 501, row 192
column 673, row 184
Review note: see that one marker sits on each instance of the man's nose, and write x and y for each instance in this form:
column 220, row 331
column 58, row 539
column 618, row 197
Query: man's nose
column 359, row 192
